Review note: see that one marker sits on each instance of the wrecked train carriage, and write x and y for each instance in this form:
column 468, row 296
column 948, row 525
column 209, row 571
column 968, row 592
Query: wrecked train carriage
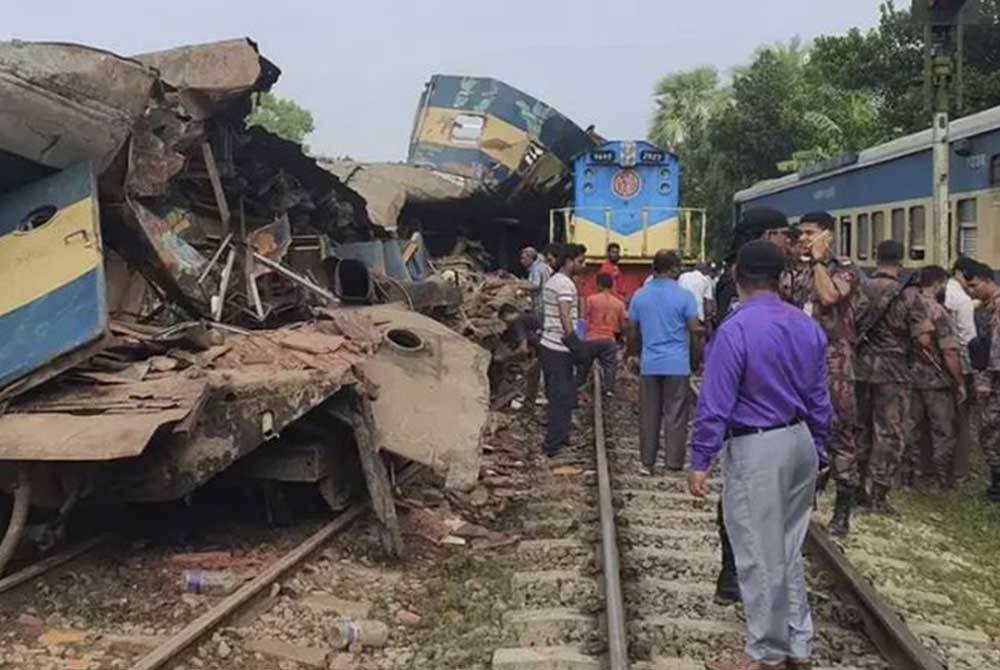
column 513, row 151
column 192, row 199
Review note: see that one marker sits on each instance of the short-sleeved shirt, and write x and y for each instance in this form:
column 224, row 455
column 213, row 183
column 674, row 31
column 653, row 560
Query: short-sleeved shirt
column 936, row 376
column 701, row 287
column 538, row 274
column 661, row 309
column 617, row 278
column 605, row 316
column 558, row 289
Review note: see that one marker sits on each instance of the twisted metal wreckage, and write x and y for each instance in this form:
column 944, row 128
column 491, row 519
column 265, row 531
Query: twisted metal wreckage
column 175, row 308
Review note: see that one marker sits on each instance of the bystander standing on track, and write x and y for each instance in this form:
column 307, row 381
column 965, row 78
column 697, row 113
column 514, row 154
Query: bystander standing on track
column 611, row 268
column 664, row 320
column 765, row 406
column 605, row 314
column 938, row 388
column 558, row 341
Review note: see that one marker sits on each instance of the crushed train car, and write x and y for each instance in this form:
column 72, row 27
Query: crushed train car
column 172, row 315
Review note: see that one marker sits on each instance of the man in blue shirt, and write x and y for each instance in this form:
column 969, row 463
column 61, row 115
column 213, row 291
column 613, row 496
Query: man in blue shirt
column 664, row 319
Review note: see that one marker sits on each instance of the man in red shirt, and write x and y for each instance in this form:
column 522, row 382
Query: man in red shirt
column 610, row 267
column 605, row 316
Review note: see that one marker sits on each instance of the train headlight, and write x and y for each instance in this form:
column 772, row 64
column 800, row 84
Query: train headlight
column 588, row 188
column 664, row 188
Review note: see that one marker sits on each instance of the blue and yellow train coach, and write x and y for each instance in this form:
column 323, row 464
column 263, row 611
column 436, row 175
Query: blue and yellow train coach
column 886, row 192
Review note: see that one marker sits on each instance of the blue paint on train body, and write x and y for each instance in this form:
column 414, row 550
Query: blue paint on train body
column 60, row 321
column 974, row 157
column 624, row 178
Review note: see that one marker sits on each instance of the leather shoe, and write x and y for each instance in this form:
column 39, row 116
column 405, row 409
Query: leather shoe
column 798, row 663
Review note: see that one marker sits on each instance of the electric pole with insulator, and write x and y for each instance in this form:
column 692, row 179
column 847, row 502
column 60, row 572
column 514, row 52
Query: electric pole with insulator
column 943, row 22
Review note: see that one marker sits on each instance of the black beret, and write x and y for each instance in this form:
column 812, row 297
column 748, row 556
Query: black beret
column 760, row 258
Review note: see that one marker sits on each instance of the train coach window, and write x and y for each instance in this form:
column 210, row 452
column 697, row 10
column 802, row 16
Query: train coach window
column 845, row 236
column 878, row 229
column 995, row 171
column 898, row 233
column 467, row 129
column 918, row 232
column 967, row 233
column 864, row 236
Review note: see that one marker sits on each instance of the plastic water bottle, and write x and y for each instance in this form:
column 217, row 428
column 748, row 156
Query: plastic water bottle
column 209, row 582
column 364, row 633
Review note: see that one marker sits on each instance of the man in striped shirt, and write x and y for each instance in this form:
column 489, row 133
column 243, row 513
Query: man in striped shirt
column 558, row 343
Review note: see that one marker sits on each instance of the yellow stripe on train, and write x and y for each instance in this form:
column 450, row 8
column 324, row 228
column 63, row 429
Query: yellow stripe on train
column 663, row 234
column 501, row 141
column 36, row 262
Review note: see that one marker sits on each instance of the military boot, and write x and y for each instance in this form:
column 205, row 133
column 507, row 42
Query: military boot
column 840, row 523
column 993, row 492
column 880, row 501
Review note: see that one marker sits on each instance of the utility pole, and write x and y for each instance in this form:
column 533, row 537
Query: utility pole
column 943, row 34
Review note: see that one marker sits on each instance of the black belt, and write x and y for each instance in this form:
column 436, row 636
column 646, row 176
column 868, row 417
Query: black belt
column 740, row 431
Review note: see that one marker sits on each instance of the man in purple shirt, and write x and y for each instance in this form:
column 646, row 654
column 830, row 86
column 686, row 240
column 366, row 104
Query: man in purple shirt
column 765, row 407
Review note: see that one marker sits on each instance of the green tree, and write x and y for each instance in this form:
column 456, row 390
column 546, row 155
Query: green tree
column 282, row 116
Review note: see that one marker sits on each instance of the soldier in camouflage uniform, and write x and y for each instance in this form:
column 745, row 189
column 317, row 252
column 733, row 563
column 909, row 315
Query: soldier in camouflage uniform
column 938, row 385
column 827, row 288
column 983, row 287
column 893, row 328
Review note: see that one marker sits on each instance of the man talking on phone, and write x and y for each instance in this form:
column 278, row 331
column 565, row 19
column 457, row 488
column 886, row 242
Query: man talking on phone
column 828, row 290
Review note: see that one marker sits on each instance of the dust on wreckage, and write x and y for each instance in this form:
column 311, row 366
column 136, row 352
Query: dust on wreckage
column 173, row 305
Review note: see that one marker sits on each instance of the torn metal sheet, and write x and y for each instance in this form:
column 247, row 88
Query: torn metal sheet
column 209, row 73
column 433, row 400
column 388, row 187
column 52, row 270
column 61, row 104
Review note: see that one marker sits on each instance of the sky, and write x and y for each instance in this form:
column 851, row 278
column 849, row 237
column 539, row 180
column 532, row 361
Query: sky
column 360, row 66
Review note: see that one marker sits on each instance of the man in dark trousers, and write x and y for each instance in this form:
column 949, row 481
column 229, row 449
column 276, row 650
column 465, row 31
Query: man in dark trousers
column 664, row 318
column 558, row 348
column 757, row 223
column 765, row 407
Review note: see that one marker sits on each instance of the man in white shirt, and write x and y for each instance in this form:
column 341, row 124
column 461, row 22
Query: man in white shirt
column 961, row 307
column 700, row 284
column 558, row 345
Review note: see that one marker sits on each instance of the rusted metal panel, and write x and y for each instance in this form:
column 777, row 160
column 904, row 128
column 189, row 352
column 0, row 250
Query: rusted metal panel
column 61, row 104
column 432, row 403
column 228, row 66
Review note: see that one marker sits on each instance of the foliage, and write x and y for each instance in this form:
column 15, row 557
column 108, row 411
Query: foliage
column 282, row 116
column 794, row 104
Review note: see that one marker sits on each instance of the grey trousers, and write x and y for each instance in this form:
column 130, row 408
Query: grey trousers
column 664, row 407
column 769, row 481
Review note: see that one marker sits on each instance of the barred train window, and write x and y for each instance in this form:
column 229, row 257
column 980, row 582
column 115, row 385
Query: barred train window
column 878, row 229
column 864, row 236
column 918, row 231
column 967, row 215
column 845, row 236
column 899, row 225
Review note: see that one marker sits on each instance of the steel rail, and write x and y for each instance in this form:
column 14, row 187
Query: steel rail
column 50, row 563
column 247, row 594
column 891, row 636
column 617, row 640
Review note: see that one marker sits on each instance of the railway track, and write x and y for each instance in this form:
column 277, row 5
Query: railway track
column 140, row 647
column 631, row 583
